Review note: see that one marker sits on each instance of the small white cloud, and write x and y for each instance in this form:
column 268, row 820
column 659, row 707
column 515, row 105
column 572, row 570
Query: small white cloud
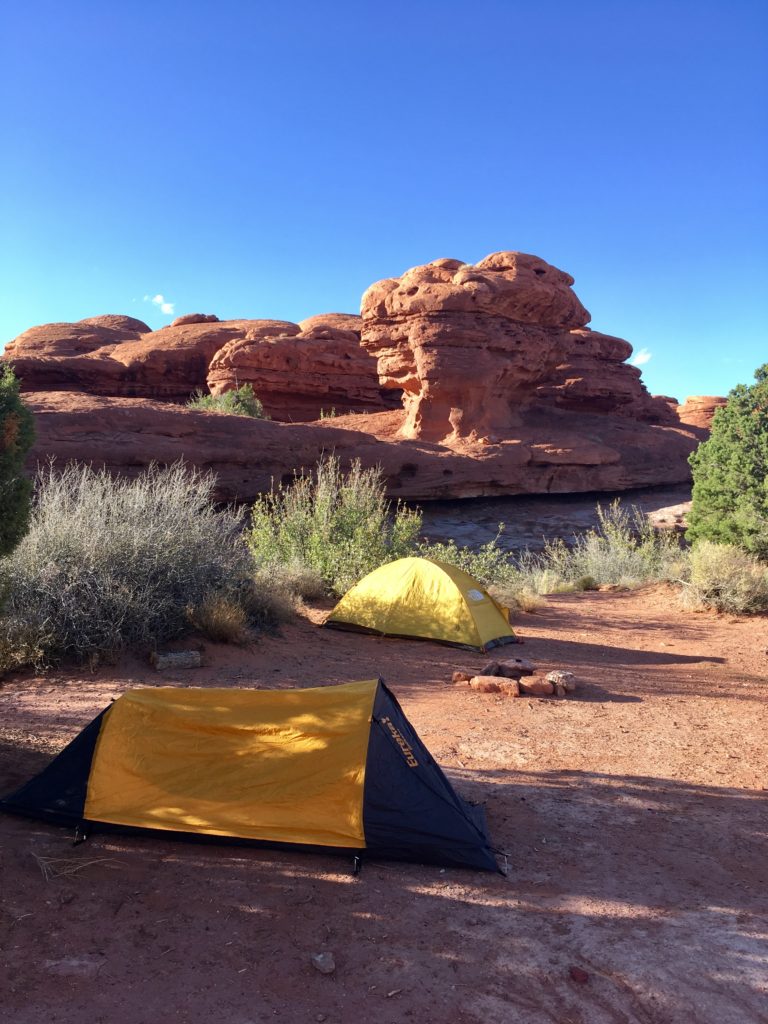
column 159, row 300
column 641, row 358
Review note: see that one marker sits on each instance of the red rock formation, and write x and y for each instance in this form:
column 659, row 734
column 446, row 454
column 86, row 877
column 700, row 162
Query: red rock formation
column 297, row 370
column 476, row 348
column 594, row 377
column 301, row 370
column 119, row 356
column 468, row 344
column 126, row 435
column 195, row 318
column 505, row 390
column 699, row 410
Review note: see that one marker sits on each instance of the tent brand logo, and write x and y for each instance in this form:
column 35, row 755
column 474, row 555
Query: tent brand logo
column 475, row 595
column 407, row 752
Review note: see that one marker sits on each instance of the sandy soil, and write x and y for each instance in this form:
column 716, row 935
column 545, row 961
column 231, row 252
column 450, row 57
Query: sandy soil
column 633, row 816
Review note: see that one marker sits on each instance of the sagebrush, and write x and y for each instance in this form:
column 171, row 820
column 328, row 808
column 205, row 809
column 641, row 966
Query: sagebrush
column 110, row 564
column 723, row 577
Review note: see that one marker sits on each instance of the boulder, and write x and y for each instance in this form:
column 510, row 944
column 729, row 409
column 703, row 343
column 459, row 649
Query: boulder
column 485, row 684
column 195, row 318
column 461, row 677
column 536, row 688
column 514, row 668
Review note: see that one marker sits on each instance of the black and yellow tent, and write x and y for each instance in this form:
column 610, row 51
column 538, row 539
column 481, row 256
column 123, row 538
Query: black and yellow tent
column 424, row 599
column 334, row 767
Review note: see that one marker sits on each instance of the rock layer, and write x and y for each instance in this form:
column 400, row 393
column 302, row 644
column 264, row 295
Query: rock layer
column 126, row 435
column 593, row 377
column 119, row 356
column 299, row 371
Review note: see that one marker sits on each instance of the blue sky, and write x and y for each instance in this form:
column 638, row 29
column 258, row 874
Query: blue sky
column 260, row 160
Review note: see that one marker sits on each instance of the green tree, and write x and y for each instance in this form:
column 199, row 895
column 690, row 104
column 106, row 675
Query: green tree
column 730, row 472
column 16, row 436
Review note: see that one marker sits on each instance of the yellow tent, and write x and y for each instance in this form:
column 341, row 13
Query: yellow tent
column 332, row 767
column 418, row 597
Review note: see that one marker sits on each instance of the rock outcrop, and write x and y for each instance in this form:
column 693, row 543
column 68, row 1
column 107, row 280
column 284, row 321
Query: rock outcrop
column 195, row 318
column 299, row 371
column 120, row 357
column 126, row 435
column 464, row 380
column 474, row 348
column 593, row 377
column 698, row 411
column 303, row 371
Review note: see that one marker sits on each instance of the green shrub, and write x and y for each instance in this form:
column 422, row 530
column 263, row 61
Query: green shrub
column 726, row 578
column 490, row 564
column 730, row 472
column 16, row 436
column 238, row 402
column 335, row 527
column 109, row 564
column 624, row 550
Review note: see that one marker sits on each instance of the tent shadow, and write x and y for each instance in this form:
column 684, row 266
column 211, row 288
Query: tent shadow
column 650, row 885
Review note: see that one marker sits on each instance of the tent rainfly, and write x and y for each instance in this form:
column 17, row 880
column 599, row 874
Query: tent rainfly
column 424, row 599
column 330, row 768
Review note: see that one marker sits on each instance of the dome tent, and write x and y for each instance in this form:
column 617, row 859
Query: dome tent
column 424, row 599
column 333, row 768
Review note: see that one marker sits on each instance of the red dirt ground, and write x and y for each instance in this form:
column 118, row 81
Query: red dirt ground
column 633, row 816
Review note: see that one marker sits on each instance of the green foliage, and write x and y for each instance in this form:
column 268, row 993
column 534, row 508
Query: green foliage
column 726, row 578
column 490, row 564
column 624, row 550
column 333, row 527
column 109, row 564
column 730, row 472
column 238, row 402
column 16, row 437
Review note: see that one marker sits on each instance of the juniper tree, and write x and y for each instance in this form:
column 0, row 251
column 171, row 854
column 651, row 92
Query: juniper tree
column 730, row 472
column 16, row 436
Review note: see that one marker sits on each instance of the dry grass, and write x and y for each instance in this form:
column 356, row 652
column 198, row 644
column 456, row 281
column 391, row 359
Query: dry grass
column 517, row 599
column 221, row 619
column 58, row 867
column 725, row 578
